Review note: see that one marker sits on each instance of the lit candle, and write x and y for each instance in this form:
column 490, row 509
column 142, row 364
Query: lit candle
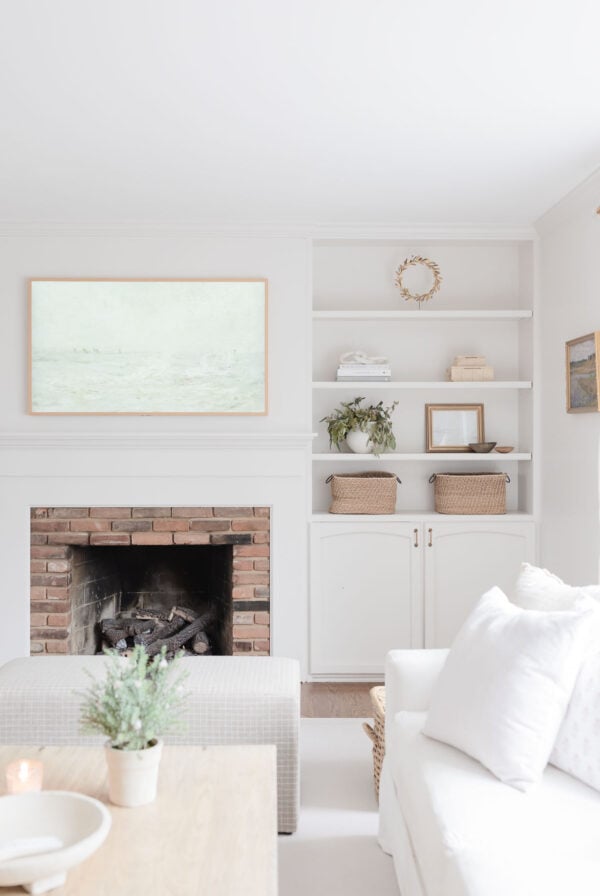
column 24, row 775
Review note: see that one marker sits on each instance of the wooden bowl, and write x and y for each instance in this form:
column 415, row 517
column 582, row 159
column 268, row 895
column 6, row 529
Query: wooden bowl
column 481, row 447
column 504, row 449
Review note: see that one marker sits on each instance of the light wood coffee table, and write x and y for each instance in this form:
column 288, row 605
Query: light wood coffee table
column 212, row 829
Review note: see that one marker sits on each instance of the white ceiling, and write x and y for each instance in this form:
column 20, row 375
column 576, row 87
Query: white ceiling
column 295, row 111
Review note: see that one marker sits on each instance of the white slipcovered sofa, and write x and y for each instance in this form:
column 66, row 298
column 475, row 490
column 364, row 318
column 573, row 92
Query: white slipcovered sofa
column 454, row 829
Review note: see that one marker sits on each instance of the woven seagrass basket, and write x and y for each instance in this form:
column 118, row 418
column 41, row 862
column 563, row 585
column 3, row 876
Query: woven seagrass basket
column 477, row 493
column 377, row 733
column 371, row 492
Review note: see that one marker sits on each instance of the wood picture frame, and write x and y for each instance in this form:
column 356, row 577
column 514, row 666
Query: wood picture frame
column 104, row 346
column 451, row 427
column 582, row 360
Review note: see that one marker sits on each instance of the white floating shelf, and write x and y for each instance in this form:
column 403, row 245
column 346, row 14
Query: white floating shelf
column 323, row 516
column 474, row 314
column 466, row 457
column 361, row 384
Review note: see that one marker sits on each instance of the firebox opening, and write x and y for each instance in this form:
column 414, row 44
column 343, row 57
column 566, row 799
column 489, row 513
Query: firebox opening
column 107, row 581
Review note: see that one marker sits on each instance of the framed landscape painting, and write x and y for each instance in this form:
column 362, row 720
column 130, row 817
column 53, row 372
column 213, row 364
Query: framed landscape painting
column 148, row 346
column 582, row 374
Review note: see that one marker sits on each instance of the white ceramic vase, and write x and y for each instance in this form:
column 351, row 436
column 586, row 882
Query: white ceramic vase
column 133, row 775
column 358, row 442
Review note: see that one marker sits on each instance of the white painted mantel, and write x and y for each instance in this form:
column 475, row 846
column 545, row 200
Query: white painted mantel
column 153, row 469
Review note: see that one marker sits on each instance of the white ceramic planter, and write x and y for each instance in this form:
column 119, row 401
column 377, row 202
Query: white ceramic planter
column 133, row 775
column 358, row 442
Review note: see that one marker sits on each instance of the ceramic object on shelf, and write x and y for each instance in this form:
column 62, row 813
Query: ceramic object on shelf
column 482, row 447
column 133, row 775
column 78, row 822
column 358, row 442
column 504, row 449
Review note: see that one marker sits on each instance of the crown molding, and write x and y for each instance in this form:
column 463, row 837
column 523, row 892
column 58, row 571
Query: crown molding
column 137, row 440
column 583, row 199
column 272, row 230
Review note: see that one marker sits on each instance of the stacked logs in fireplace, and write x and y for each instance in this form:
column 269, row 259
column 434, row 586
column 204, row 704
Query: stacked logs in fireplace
column 177, row 630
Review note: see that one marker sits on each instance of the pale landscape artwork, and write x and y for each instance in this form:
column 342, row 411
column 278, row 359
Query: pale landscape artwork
column 148, row 347
column 582, row 376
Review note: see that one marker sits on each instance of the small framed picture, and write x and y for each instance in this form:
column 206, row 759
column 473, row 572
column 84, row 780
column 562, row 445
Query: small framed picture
column 452, row 427
column 582, row 357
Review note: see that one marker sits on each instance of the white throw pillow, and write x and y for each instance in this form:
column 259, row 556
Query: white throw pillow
column 504, row 689
column 577, row 747
column 538, row 589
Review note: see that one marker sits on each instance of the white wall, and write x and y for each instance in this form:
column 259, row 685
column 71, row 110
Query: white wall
column 160, row 460
column 570, row 307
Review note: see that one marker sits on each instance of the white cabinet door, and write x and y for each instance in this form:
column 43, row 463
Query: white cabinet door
column 366, row 594
column 462, row 561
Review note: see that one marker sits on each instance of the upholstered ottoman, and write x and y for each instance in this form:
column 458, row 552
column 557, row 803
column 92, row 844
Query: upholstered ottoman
column 233, row 700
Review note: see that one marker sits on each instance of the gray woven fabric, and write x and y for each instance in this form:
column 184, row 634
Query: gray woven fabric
column 233, row 700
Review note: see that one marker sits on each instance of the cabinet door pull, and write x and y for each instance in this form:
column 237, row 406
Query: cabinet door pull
column 430, row 542
column 416, row 533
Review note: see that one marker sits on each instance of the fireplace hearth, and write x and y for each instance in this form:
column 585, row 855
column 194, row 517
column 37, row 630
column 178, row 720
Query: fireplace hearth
column 90, row 564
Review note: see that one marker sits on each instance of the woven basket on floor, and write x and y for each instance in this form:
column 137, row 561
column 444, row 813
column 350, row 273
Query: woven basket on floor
column 470, row 492
column 377, row 733
column 372, row 492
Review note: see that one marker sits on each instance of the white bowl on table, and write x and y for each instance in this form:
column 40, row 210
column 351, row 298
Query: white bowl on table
column 79, row 822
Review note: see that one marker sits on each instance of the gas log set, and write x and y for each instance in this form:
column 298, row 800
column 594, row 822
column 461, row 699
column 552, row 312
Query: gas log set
column 178, row 629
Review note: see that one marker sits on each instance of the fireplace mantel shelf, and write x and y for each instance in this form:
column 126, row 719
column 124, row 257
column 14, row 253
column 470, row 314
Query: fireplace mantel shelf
column 221, row 440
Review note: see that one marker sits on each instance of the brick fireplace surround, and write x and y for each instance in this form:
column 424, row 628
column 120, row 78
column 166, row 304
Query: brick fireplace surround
column 55, row 531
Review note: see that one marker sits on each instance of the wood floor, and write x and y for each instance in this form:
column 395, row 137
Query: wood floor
column 349, row 700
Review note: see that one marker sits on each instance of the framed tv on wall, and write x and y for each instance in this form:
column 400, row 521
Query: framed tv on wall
column 148, row 346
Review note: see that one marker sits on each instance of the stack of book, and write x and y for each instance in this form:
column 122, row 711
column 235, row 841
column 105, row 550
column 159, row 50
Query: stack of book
column 470, row 369
column 356, row 373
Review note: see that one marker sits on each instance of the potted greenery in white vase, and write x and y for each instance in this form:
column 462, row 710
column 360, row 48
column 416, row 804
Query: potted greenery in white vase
column 365, row 430
column 139, row 700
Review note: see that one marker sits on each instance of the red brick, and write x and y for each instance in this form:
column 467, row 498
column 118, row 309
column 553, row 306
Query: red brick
column 59, row 619
column 51, row 606
column 50, row 579
column 110, row 538
column 57, row 647
column 231, row 512
column 38, row 619
column 241, row 619
column 57, row 594
column 38, row 513
column 250, row 578
column 152, row 538
column 250, row 631
column 170, row 525
column 59, row 566
column 69, row 538
column 209, row 525
column 262, row 591
column 37, row 566
column 49, row 526
column 242, row 646
column 190, row 513
column 56, row 634
column 90, row 525
column 111, row 513
column 262, row 511
column 36, row 647
column 250, row 550
column 50, row 553
column 242, row 563
column 132, row 526
column 261, row 538
column 262, row 618
column 68, row 513
column 150, row 512
column 192, row 538
column 253, row 525
column 262, row 564
column 38, row 538
column 37, row 593
column 262, row 646
column 245, row 592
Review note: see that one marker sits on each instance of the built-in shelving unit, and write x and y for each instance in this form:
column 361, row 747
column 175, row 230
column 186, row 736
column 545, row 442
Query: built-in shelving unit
column 425, row 315
column 470, row 458
column 407, row 384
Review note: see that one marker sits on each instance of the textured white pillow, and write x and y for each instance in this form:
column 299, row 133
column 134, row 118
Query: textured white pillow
column 504, row 689
column 577, row 747
column 538, row 589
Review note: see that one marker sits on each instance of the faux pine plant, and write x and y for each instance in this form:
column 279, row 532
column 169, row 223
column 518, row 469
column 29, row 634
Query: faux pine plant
column 140, row 699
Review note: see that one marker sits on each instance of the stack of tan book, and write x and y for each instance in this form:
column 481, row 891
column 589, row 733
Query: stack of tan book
column 470, row 369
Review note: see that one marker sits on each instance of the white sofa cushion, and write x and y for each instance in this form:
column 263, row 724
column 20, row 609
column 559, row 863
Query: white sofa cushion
column 503, row 691
column 539, row 589
column 474, row 837
column 577, row 747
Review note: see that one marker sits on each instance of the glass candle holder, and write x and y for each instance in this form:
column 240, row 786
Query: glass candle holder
column 24, row 776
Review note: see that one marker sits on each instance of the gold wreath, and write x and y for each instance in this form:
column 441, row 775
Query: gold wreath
column 412, row 262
